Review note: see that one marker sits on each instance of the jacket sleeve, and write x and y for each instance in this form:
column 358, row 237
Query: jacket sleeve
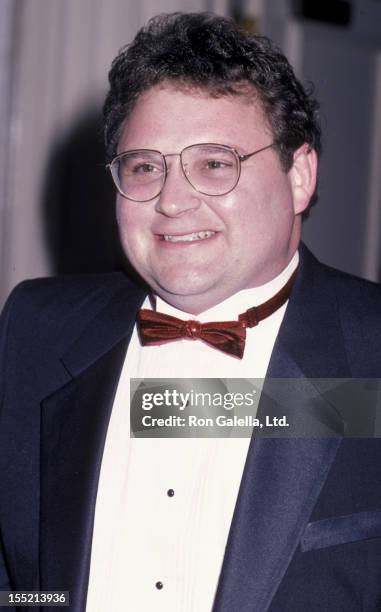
column 4, row 578
column 5, row 584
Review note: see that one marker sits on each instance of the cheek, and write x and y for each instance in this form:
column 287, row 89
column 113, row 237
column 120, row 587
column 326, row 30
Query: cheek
column 268, row 203
column 258, row 217
column 242, row 210
column 125, row 213
column 131, row 222
column 131, row 218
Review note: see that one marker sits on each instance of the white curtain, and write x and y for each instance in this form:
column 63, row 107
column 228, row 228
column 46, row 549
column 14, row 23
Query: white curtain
column 7, row 25
column 54, row 59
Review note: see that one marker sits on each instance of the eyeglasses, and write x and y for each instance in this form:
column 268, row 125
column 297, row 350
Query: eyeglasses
column 211, row 169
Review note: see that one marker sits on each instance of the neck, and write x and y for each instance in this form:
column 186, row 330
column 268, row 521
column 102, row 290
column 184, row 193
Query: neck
column 265, row 287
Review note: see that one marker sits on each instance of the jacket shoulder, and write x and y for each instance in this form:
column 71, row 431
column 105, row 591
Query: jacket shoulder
column 359, row 309
column 359, row 292
column 356, row 295
column 65, row 291
column 353, row 294
column 58, row 308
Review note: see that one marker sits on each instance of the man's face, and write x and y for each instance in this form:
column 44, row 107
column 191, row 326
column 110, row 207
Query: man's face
column 256, row 227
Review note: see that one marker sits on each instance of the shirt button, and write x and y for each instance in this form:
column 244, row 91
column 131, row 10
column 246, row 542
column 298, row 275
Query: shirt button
column 159, row 585
column 170, row 492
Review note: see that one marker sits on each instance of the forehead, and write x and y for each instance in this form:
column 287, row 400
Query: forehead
column 169, row 118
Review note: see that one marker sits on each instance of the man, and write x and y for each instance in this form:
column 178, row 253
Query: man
column 213, row 146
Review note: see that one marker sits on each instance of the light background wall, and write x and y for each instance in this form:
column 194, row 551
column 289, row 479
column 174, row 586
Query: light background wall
column 344, row 64
column 56, row 210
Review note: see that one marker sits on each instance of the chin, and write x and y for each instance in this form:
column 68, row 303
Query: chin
column 183, row 282
column 182, row 288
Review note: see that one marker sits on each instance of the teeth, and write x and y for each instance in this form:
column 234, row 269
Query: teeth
column 189, row 237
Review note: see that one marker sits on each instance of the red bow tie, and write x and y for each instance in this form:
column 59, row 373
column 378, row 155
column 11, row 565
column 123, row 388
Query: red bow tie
column 227, row 336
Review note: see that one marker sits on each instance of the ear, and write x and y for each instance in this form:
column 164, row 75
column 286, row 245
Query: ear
column 302, row 177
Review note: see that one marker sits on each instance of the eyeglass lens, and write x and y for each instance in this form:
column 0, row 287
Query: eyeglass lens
column 210, row 169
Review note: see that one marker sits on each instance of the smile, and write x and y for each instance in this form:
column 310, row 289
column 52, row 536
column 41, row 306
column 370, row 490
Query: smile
column 189, row 237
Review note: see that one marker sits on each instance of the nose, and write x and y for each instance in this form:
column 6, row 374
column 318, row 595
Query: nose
column 177, row 196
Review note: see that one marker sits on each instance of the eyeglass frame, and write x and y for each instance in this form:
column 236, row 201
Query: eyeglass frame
column 239, row 158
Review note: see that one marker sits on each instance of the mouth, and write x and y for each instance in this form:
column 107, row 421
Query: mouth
column 203, row 235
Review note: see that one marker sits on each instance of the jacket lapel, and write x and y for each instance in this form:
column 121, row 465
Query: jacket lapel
column 281, row 483
column 283, row 477
column 310, row 342
column 74, row 423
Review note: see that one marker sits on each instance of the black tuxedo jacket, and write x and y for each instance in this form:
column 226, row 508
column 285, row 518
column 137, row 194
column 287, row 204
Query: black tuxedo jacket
column 306, row 532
